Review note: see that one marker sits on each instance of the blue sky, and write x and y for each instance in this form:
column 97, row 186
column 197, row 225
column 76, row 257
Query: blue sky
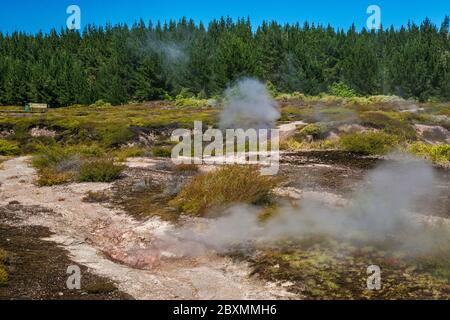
column 34, row 15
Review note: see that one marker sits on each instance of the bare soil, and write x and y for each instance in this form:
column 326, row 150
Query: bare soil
column 116, row 246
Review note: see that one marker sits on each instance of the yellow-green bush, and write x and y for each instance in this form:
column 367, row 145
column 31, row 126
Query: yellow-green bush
column 3, row 256
column 368, row 143
column 317, row 130
column 48, row 177
column 293, row 144
column 8, row 148
column 162, row 152
column 3, row 272
column 58, row 165
column 3, row 276
column 129, row 152
column 100, row 170
column 340, row 89
column 391, row 122
column 100, row 104
column 225, row 186
column 438, row 153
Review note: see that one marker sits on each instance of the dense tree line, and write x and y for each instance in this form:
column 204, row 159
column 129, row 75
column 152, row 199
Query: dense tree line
column 153, row 61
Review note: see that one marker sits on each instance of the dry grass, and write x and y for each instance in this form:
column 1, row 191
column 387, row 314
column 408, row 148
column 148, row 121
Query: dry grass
column 223, row 187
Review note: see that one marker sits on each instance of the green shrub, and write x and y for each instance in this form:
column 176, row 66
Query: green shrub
column 340, row 89
column 368, row 143
column 115, row 134
column 3, row 272
column 129, row 152
column 8, row 148
column 100, row 170
column 292, row 144
column 191, row 102
column 50, row 177
column 92, row 150
column 317, row 130
column 3, row 256
column 225, row 186
column 162, row 152
column 100, row 104
column 51, row 156
column 3, row 276
column 389, row 122
column 438, row 154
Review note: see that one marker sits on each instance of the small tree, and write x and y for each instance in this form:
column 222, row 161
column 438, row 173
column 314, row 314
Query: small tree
column 340, row 89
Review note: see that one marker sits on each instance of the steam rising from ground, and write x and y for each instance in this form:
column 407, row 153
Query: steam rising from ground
column 379, row 211
column 248, row 104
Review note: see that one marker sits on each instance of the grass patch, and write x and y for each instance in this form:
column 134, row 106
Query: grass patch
column 130, row 152
column 58, row 165
column 50, row 177
column 223, row 187
column 322, row 268
column 391, row 122
column 292, row 144
column 437, row 154
column 100, row 170
column 316, row 130
column 162, row 152
column 368, row 143
column 96, row 197
column 3, row 276
column 8, row 148
column 3, row 272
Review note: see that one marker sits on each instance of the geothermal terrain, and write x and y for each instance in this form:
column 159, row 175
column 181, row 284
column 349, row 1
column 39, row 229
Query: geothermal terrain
column 361, row 182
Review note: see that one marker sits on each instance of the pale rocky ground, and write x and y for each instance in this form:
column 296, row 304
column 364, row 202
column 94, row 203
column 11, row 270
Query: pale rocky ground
column 114, row 245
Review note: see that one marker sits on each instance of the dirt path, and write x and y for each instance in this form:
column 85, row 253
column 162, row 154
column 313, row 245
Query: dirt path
column 99, row 238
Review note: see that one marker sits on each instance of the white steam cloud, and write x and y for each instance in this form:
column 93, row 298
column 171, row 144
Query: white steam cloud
column 379, row 211
column 248, row 104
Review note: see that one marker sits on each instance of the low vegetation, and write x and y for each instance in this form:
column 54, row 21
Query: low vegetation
column 435, row 153
column 162, row 151
column 96, row 197
column 368, row 143
column 8, row 148
column 100, row 170
column 130, row 152
column 321, row 268
column 316, row 130
column 58, row 165
column 3, row 271
column 293, row 144
column 224, row 187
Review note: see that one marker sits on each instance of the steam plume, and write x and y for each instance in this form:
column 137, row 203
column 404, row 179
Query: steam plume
column 248, row 104
column 379, row 211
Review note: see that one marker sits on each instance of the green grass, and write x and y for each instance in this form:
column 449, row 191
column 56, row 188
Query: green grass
column 3, row 272
column 100, row 170
column 162, row 152
column 8, row 148
column 437, row 154
column 368, row 143
column 57, row 164
column 322, row 268
column 391, row 122
column 316, row 130
column 223, row 187
column 293, row 144
column 106, row 126
column 129, row 152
